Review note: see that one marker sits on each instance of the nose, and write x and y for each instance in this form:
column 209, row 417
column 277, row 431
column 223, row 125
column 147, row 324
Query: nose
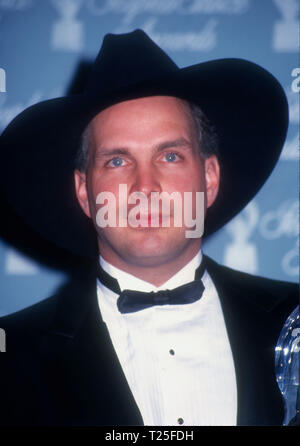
column 146, row 180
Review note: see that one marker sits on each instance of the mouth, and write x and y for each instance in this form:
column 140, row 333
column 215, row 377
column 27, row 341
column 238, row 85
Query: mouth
column 151, row 220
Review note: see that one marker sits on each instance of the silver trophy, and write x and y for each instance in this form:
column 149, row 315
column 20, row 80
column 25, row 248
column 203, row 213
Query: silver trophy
column 287, row 367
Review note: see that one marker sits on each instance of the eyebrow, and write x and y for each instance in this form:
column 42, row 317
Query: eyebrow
column 180, row 142
column 110, row 152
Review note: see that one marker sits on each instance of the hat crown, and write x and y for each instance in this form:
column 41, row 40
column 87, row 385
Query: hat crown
column 128, row 59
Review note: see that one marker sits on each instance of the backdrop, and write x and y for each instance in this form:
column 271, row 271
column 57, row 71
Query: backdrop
column 41, row 47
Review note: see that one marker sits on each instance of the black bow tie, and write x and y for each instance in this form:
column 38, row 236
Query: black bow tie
column 130, row 301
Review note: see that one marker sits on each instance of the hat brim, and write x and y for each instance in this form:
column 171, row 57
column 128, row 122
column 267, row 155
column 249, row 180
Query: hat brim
column 246, row 104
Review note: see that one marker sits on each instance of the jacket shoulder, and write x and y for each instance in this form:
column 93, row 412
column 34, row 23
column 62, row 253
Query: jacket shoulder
column 31, row 318
column 38, row 316
column 265, row 292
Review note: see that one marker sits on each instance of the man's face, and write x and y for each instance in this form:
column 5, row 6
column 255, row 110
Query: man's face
column 149, row 145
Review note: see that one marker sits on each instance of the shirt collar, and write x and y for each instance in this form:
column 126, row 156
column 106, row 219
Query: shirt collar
column 131, row 282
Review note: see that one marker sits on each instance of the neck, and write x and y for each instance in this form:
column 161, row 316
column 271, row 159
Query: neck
column 156, row 272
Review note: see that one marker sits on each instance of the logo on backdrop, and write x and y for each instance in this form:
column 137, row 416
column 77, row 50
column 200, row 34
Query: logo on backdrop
column 296, row 82
column 67, row 32
column 290, row 150
column 132, row 8
column 204, row 39
column 241, row 253
column 285, row 31
column 284, row 222
column 290, row 261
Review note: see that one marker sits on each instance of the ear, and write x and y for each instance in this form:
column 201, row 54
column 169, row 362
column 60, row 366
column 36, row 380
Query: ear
column 81, row 191
column 212, row 177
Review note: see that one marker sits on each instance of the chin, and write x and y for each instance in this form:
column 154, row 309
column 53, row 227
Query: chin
column 146, row 246
column 153, row 248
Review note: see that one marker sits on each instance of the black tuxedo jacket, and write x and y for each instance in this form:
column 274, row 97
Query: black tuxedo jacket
column 60, row 367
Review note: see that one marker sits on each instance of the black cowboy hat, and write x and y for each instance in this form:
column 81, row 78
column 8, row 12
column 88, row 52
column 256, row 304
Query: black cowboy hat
column 246, row 104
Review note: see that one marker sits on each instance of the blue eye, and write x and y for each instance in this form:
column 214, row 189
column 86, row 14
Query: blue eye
column 116, row 162
column 170, row 157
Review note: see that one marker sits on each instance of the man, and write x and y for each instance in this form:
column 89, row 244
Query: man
column 117, row 348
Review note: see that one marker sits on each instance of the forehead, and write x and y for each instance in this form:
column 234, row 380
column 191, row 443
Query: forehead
column 143, row 114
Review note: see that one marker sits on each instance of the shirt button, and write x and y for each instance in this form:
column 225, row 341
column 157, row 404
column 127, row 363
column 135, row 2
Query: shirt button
column 180, row 421
column 172, row 352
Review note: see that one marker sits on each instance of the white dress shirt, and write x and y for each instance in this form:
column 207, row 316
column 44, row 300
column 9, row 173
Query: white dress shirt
column 176, row 358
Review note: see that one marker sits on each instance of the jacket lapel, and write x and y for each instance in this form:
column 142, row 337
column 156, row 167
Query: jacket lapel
column 88, row 384
column 253, row 336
